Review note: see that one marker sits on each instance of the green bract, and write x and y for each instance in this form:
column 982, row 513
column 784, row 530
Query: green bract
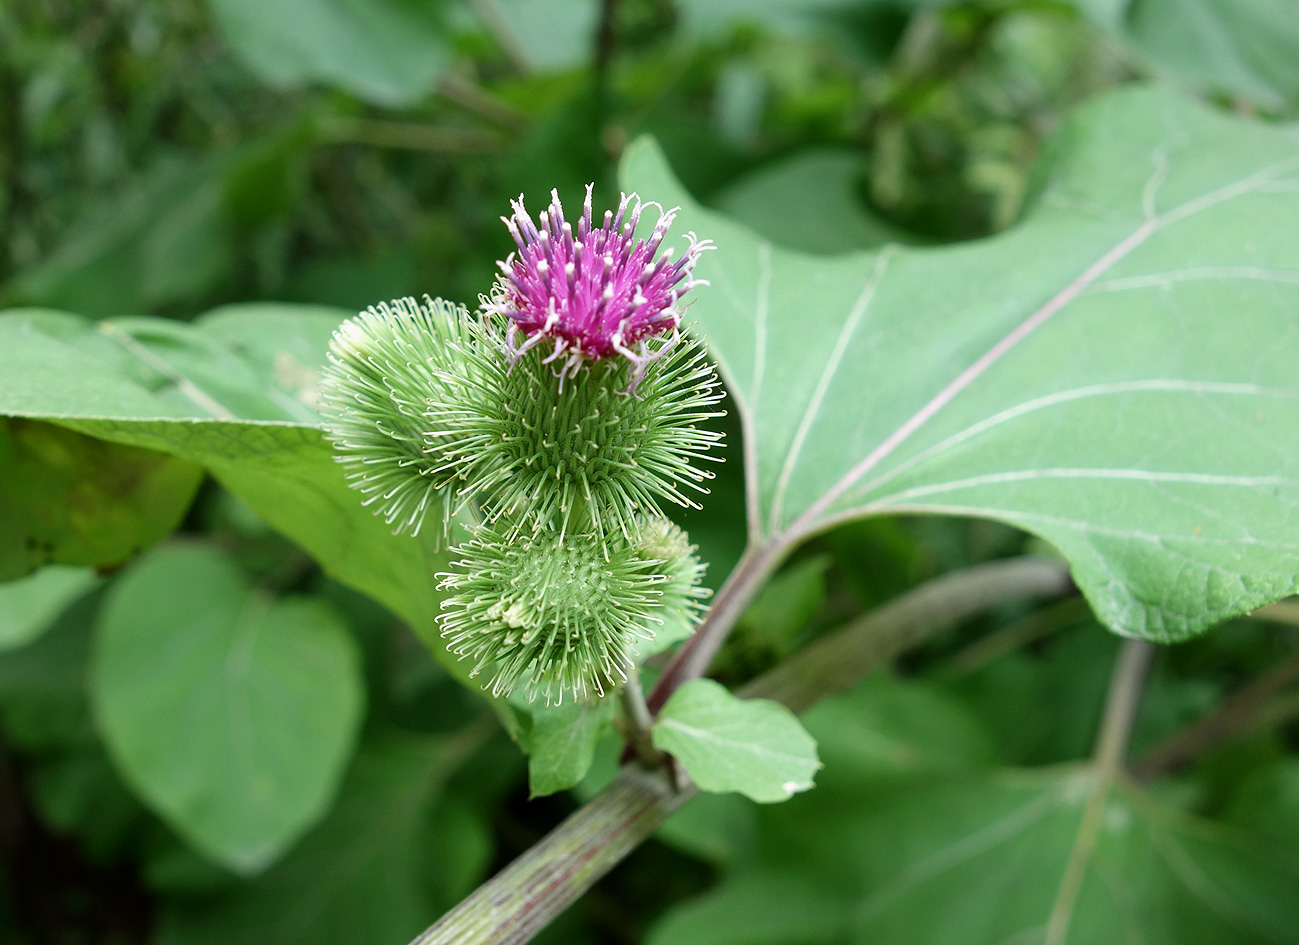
column 551, row 614
column 683, row 596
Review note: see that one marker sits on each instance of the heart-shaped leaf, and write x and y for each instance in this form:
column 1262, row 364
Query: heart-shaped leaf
column 231, row 713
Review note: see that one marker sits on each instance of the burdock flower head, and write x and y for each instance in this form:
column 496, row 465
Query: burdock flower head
column 550, row 427
column 596, row 293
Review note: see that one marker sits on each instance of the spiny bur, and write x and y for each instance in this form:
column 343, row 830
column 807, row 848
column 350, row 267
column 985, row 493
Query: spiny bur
column 585, row 452
column 548, row 616
column 387, row 367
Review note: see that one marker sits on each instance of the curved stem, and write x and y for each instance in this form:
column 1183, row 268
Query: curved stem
column 694, row 657
column 521, row 900
column 836, row 662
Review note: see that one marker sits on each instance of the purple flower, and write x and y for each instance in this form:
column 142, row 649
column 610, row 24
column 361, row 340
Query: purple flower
column 594, row 294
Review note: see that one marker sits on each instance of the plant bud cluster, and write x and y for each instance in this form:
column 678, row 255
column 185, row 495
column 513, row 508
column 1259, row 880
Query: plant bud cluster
column 436, row 415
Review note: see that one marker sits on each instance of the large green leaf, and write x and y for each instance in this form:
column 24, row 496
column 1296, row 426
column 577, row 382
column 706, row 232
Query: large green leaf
column 909, row 839
column 234, row 393
column 1114, row 374
column 231, row 713
column 30, row 605
column 1242, row 48
column 982, row 862
column 811, row 201
column 164, row 238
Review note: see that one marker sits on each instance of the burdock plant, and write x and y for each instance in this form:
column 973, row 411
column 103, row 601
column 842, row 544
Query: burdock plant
column 552, row 421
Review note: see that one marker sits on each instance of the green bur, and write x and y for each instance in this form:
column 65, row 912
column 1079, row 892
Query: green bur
column 586, row 449
column 551, row 614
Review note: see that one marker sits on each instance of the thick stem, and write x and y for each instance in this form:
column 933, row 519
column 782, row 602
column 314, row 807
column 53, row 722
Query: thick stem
column 523, row 898
column 1116, row 728
column 530, row 892
column 1245, row 709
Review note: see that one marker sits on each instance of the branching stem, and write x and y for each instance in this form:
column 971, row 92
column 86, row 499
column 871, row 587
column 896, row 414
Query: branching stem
column 695, row 655
column 521, row 900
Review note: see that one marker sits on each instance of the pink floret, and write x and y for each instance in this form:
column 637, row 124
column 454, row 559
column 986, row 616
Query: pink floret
column 595, row 293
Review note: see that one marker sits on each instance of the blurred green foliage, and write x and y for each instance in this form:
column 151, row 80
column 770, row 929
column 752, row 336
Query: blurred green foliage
column 165, row 157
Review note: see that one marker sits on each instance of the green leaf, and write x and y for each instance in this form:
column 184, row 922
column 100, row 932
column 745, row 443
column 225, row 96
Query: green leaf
column 561, row 742
column 974, row 862
column 752, row 746
column 810, row 202
column 232, row 714
column 30, row 605
column 552, row 34
column 1115, row 374
column 910, row 839
column 716, row 828
column 1243, row 48
column 885, row 729
column 1266, row 803
column 70, row 499
column 233, row 393
column 380, row 868
column 387, row 52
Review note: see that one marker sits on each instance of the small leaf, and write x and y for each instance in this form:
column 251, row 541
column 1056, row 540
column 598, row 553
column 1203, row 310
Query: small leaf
column 561, row 743
column 230, row 713
column 30, row 605
column 752, row 746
